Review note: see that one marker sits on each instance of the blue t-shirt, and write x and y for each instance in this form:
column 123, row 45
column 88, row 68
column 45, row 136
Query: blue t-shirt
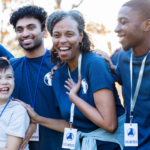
column 5, row 53
column 95, row 75
column 44, row 103
column 141, row 113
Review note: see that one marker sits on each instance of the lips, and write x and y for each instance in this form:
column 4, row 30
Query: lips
column 121, row 38
column 64, row 50
column 4, row 90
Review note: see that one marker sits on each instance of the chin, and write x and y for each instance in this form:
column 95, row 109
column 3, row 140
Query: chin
column 126, row 48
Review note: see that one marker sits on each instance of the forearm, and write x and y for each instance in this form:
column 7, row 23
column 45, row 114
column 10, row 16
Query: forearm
column 54, row 124
column 92, row 113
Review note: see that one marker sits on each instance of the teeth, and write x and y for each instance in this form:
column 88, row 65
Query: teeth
column 27, row 40
column 4, row 89
column 64, row 48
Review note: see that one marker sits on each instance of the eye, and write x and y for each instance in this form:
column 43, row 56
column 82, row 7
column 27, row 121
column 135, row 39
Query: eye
column 31, row 27
column 9, row 77
column 19, row 30
column 56, row 35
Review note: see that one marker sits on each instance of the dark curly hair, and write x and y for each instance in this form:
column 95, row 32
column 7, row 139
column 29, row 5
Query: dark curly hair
column 29, row 12
column 55, row 17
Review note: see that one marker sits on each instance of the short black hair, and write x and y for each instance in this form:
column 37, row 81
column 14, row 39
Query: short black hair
column 56, row 16
column 142, row 7
column 29, row 12
column 4, row 64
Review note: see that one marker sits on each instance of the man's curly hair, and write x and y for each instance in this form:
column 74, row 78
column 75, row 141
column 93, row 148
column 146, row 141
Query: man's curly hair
column 29, row 12
column 78, row 17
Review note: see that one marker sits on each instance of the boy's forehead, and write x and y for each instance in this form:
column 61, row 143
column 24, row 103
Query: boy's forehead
column 6, row 71
column 26, row 21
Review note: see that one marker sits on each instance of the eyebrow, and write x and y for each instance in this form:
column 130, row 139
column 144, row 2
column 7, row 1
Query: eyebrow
column 31, row 24
column 122, row 18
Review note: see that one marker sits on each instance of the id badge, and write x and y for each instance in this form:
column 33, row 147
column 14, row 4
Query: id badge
column 35, row 136
column 131, row 134
column 69, row 138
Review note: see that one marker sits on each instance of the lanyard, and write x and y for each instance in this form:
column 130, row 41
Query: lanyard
column 133, row 100
column 72, row 106
column 5, row 107
column 33, row 100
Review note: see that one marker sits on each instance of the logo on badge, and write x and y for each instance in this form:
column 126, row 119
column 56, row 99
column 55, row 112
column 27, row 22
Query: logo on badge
column 131, row 132
column 47, row 79
column 70, row 136
column 84, row 86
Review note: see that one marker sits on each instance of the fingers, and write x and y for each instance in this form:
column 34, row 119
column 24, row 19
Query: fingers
column 117, row 49
column 17, row 100
column 24, row 144
column 67, row 87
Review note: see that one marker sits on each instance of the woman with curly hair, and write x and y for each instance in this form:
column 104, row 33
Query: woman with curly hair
column 83, row 86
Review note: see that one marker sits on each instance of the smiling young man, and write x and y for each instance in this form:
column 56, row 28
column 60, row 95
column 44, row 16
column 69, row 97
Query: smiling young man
column 32, row 73
column 133, row 29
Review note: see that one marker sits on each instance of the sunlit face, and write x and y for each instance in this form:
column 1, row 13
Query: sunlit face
column 29, row 33
column 129, row 28
column 66, row 38
column 6, row 85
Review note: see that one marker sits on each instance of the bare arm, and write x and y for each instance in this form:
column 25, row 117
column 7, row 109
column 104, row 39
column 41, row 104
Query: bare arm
column 13, row 143
column 104, row 115
column 54, row 124
column 29, row 133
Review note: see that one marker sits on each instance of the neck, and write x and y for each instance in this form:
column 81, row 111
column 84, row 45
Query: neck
column 142, row 49
column 2, row 102
column 73, row 64
column 37, row 52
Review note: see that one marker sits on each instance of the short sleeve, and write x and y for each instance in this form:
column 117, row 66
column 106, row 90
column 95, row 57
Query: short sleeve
column 100, row 75
column 19, row 122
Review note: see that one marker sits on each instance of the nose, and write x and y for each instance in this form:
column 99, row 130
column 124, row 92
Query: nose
column 25, row 33
column 63, row 39
column 118, row 28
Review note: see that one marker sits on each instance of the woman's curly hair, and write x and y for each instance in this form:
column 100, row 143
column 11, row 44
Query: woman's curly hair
column 78, row 17
column 29, row 12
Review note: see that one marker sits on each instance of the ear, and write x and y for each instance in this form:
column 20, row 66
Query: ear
column 146, row 25
column 45, row 32
column 81, row 36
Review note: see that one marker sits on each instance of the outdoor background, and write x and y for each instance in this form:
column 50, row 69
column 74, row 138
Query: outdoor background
column 100, row 16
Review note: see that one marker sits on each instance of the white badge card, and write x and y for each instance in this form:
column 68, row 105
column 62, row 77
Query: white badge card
column 35, row 136
column 131, row 134
column 69, row 138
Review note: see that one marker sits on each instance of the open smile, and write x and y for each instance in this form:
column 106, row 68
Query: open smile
column 64, row 50
column 4, row 90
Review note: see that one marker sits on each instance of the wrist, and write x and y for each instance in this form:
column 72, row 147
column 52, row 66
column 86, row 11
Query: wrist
column 72, row 97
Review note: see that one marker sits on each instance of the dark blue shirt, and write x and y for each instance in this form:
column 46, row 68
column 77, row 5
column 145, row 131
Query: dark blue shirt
column 141, row 113
column 95, row 75
column 44, row 103
column 5, row 53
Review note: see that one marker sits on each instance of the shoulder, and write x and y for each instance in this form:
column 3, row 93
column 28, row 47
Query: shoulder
column 16, row 61
column 17, row 107
column 94, row 60
column 92, row 57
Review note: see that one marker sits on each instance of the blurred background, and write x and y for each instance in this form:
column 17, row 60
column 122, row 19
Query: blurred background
column 100, row 16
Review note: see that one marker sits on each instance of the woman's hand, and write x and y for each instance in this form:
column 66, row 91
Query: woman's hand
column 33, row 115
column 73, row 87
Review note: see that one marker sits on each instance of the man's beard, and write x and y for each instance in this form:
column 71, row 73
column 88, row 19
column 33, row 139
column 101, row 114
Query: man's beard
column 35, row 45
